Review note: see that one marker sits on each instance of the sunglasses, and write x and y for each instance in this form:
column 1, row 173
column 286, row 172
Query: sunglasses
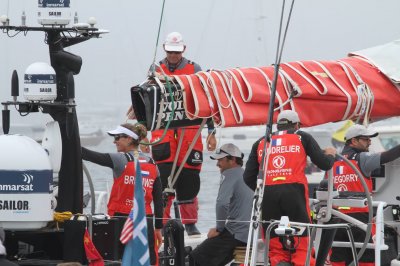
column 117, row 137
column 171, row 52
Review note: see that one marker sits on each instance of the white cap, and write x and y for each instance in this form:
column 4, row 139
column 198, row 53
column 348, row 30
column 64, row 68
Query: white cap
column 227, row 150
column 174, row 42
column 123, row 130
column 288, row 116
column 359, row 131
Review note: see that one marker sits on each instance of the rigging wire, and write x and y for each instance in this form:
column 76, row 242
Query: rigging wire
column 205, row 29
column 153, row 65
column 258, row 195
column 8, row 8
column 262, row 49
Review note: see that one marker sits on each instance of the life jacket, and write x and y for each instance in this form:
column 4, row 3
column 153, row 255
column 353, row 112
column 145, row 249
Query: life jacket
column 287, row 161
column 346, row 179
column 187, row 69
column 122, row 192
column 166, row 149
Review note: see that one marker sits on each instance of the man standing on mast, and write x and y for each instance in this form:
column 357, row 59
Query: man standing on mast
column 164, row 152
column 286, row 186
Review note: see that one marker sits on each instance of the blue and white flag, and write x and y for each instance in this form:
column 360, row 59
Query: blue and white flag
column 137, row 250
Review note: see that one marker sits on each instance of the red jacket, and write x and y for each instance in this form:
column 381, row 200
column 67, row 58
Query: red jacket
column 121, row 197
column 287, row 161
column 346, row 179
column 166, row 149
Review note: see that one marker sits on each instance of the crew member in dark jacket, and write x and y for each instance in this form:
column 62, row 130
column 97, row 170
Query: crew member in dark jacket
column 356, row 149
column 286, row 186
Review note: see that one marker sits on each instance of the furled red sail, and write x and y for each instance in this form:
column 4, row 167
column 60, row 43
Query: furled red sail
column 320, row 91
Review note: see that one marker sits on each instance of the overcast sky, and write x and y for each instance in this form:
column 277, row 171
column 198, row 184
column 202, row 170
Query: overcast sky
column 219, row 34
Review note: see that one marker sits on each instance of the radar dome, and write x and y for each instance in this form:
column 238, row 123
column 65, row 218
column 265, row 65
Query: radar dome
column 40, row 82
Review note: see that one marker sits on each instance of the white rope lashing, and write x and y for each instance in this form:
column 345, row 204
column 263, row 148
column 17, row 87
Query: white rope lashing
column 349, row 100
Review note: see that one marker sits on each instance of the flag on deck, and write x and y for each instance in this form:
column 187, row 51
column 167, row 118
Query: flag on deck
column 93, row 256
column 134, row 232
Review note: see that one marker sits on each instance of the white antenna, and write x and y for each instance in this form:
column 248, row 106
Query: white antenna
column 23, row 19
column 76, row 18
column 8, row 7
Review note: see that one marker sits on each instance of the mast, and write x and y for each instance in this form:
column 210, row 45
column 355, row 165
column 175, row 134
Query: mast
column 63, row 109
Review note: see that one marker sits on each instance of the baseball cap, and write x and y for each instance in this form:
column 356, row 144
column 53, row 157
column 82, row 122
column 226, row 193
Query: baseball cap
column 288, row 116
column 227, row 150
column 123, row 130
column 359, row 131
column 174, row 42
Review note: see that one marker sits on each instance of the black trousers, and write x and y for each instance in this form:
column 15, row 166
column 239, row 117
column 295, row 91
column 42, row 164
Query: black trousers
column 216, row 251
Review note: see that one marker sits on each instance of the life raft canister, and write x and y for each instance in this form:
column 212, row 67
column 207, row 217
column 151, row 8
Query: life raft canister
column 26, row 184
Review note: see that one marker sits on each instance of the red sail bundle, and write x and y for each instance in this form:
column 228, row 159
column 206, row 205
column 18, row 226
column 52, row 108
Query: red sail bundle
column 320, row 91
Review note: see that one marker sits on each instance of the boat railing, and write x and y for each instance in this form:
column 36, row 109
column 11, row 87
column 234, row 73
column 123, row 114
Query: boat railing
column 327, row 212
column 378, row 245
column 308, row 227
column 379, row 241
column 326, row 201
column 101, row 201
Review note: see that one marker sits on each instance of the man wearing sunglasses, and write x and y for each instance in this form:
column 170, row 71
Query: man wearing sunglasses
column 286, row 186
column 164, row 153
column 233, row 211
column 174, row 63
column 356, row 149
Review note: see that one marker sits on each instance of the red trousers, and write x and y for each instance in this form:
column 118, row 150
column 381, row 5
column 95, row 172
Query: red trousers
column 297, row 257
column 188, row 212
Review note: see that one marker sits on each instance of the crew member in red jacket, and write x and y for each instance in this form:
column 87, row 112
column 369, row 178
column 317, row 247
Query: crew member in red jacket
column 286, row 186
column 188, row 182
column 356, row 149
column 127, row 138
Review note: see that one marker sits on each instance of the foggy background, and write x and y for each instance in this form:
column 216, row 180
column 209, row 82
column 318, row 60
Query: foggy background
column 219, row 34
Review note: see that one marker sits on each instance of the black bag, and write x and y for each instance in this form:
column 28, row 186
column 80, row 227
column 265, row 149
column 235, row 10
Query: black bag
column 105, row 237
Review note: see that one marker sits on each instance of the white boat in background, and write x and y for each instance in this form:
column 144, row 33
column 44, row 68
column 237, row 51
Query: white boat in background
column 389, row 135
column 91, row 137
column 33, row 131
